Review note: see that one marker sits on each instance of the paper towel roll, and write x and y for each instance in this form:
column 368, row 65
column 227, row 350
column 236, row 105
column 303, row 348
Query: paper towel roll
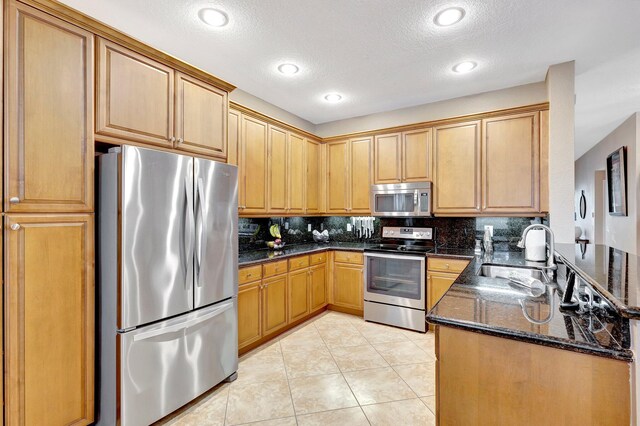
column 536, row 246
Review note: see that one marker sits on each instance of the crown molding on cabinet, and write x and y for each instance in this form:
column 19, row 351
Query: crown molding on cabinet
column 100, row 29
column 257, row 114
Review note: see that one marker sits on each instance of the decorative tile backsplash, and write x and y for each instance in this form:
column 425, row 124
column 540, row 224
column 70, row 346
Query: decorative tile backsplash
column 450, row 232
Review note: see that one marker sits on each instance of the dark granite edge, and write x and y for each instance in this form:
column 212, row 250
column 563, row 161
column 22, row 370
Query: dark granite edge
column 620, row 355
column 302, row 252
column 630, row 312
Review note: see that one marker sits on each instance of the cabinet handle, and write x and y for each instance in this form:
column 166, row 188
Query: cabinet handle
column 14, row 200
column 249, row 275
column 446, row 265
column 15, row 226
column 180, row 140
column 172, row 139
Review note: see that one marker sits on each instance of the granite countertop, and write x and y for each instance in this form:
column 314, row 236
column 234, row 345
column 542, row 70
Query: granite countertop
column 612, row 272
column 496, row 307
column 254, row 257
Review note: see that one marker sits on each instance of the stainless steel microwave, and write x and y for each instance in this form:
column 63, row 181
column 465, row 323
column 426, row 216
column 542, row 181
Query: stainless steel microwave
column 401, row 199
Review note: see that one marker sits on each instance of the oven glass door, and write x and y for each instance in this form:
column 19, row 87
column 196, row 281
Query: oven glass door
column 396, row 203
column 395, row 279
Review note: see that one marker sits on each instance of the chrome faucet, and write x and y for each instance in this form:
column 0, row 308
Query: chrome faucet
column 551, row 264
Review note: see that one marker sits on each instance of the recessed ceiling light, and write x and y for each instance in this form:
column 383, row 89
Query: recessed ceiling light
column 464, row 67
column 288, row 69
column 213, row 17
column 449, row 16
column 333, row 97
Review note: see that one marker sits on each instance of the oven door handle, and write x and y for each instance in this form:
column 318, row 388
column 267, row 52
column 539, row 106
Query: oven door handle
column 396, row 256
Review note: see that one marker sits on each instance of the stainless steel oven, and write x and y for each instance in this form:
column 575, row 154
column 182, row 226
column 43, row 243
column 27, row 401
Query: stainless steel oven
column 395, row 278
column 401, row 199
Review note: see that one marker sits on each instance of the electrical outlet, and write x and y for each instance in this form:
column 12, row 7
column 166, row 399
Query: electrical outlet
column 490, row 228
column 286, row 225
column 348, row 227
column 309, row 227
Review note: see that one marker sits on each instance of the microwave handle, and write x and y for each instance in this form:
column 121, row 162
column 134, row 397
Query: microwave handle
column 415, row 201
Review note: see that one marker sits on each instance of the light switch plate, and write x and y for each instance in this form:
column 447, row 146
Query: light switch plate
column 490, row 228
column 348, row 227
column 309, row 227
column 286, row 225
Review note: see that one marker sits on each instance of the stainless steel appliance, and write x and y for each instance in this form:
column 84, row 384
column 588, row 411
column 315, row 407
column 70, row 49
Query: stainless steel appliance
column 395, row 276
column 401, row 199
column 168, row 261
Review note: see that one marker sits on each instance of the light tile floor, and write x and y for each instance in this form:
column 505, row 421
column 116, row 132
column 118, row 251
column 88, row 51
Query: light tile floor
column 335, row 369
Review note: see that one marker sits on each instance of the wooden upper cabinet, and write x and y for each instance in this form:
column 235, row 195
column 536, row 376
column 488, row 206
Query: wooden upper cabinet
column 277, row 170
column 49, row 319
column 388, row 158
column 360, row 176
column 313, row 176
column 253, row 166
column 49, row 114
column 233, row 136
column 200, row 117
column 511, row 164
column 416, row 156
column 296, row 178
column 457, row 169
column 337, row 195
column 135, row 96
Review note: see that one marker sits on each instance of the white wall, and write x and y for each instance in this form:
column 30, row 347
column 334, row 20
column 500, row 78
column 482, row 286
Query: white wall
column 527, row 94
column 561, row 91
column 621, row 232
column 247, row 99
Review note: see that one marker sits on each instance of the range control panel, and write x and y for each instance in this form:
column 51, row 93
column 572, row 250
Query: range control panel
column 407, row 233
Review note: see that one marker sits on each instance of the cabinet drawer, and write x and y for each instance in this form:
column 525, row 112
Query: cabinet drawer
column 318, row 258
column 447, row 265
column 349, row 257
column 298, row 263
column 274, row 268
column 249, row 274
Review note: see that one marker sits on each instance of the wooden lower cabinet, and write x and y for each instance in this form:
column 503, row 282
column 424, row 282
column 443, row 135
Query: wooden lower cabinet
column 483, row 379
column 437, row 285
column 298, row 294
column 318, row 287
column 49, row 319
column 348, row 286
column 274, row 304
column 249, row 313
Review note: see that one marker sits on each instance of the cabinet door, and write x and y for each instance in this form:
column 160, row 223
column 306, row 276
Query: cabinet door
column 416, row 156
column 318, row 287
column 49, row 313
column 135, row 96
column 274, row 304
column 312, row 162
column 201, row 117
column 387, row 158
column 233, row 136
column 348, row 285
column 249, row 314
column 296, row 174
column 337, row 196
column 298, row 294
column 253, row 165
column 277, row 170
column 437, row 285
column 360, row 176
column 49, row 114
column 457, row 169
column 511, row 165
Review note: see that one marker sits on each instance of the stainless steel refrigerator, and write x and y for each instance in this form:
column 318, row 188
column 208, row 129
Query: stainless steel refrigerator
column 167, row 276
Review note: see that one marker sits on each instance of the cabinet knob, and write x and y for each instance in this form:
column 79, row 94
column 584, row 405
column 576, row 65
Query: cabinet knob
column 249, row 275
column 14, row 200
column 15, row 226
column 446, row 265
column 172, row 139
column 180, row 140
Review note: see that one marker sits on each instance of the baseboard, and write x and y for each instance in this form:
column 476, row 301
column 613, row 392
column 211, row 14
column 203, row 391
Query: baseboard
column 357, row 312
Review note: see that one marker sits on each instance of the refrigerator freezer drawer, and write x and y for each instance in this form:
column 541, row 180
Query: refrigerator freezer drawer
column 166, row 365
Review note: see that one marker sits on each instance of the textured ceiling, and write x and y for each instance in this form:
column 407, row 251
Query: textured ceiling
column 385, row 54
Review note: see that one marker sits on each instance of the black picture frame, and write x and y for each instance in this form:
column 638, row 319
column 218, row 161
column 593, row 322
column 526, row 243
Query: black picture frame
column 617, row 182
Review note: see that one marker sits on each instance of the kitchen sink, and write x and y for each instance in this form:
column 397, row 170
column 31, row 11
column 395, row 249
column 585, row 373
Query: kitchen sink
column 502, row 271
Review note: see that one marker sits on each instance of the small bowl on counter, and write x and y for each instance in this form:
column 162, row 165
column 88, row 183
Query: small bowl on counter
column 273, row 245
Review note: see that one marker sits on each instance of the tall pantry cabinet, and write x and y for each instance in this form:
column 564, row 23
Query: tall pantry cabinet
column 48, row 220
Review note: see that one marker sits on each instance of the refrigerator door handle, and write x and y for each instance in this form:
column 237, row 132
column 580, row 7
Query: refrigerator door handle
column 202, row 246
column 189, row 238
column 183, row 326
